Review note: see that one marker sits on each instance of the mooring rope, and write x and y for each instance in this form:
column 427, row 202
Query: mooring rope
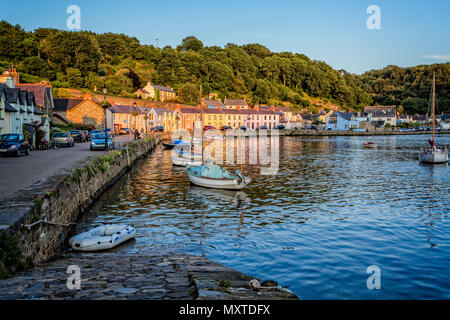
column 29, row 226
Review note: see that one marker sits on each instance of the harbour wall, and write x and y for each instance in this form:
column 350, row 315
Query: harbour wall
column 34, row 224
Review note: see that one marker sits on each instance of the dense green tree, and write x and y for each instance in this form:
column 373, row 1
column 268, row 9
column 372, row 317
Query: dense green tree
column 86, row 59
column 191, row 43
column 37, row 67
column 189, row 93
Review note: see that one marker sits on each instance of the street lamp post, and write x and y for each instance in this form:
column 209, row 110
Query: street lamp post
column 106, row 124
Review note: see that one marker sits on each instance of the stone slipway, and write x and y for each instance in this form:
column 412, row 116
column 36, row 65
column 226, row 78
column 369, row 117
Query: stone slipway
column 119, row 276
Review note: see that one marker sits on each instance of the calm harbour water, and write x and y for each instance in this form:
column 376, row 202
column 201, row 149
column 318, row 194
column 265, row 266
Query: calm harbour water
column 333, row 209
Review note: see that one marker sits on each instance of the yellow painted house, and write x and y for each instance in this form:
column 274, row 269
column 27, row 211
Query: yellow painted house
column 234, row 118
column 213, row 117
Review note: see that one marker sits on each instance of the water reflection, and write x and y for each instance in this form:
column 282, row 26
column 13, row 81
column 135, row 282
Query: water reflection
column 333, row 209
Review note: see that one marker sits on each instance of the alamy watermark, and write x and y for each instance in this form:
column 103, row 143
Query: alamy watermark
column 73, row 22
column 374, row 20
column 374, row 280
column 74, row 280
column 231, row 148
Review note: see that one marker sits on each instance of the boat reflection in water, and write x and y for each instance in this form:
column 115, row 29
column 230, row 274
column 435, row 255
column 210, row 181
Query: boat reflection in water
column 219, row 197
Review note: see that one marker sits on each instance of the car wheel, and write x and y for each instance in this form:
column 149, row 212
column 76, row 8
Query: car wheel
column 27, row 152
column 18, row 153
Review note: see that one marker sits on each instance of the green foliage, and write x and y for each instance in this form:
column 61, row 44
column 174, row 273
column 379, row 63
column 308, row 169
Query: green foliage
column 87, row 60
column 189, row 93
column 191, row 43
column 37, row 67
column 74, row 78
column 410, row 87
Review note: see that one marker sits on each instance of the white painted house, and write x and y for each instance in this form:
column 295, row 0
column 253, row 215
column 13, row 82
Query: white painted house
column 342, row 121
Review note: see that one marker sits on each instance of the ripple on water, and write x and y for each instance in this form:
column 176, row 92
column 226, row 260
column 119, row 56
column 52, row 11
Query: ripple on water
column 333, row 209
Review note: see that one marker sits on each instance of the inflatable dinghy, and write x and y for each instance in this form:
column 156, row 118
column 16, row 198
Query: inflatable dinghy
column 102, row 238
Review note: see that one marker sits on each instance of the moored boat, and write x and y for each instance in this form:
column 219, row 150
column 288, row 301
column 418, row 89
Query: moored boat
column 433, row 154
column 216, row 177
column 370, row 145
column 171, row 145
column 102, row 238
column 184, row 158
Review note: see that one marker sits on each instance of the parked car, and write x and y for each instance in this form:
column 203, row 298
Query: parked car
column 208, row 128
column 98, row 142
column 281, row 127
column 225, row 128
column 159, row 129
column 312, row 128
column 94, row 132
column 263, row 128
column 78, row 135
column 14, row 143
column 63, row 139
column 244, row 128
column 124, row 131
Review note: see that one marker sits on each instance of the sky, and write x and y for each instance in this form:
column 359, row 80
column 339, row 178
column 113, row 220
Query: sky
column 412, row 32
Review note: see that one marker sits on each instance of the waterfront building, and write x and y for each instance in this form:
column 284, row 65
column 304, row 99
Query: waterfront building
column 421, row 118
column 131, row 117
column 161, row 117
column 404, row 118
column 186, row 117
column 251, row 118
column 44, row 103
column 213, row 104
column 342, row 121
column 78, row 110
column 235, row 104
column 157, row 92
column 213, row 117
column 266, row 116
column 18, row 110
column 9, row 116
column 382, row 115
column 235, row 118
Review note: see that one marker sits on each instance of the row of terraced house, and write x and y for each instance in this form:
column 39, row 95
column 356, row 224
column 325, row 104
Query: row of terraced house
column 24, row 108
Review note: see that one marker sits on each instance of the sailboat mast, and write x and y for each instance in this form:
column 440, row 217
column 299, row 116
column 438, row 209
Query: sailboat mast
column 434, row 112
column 201, row 120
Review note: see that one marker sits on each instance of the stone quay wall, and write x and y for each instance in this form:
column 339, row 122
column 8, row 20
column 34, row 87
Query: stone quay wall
column 59, row 200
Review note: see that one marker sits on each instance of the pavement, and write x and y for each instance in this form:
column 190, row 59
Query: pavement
column 17, row 173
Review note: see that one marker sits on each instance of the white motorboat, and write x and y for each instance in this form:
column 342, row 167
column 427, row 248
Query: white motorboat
column 433, row 154
column 102, row 238
column 216, row 177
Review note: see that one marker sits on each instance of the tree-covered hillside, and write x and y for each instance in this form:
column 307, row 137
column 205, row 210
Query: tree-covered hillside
column 408, row 87
column 122, row 64
column 85, row 59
